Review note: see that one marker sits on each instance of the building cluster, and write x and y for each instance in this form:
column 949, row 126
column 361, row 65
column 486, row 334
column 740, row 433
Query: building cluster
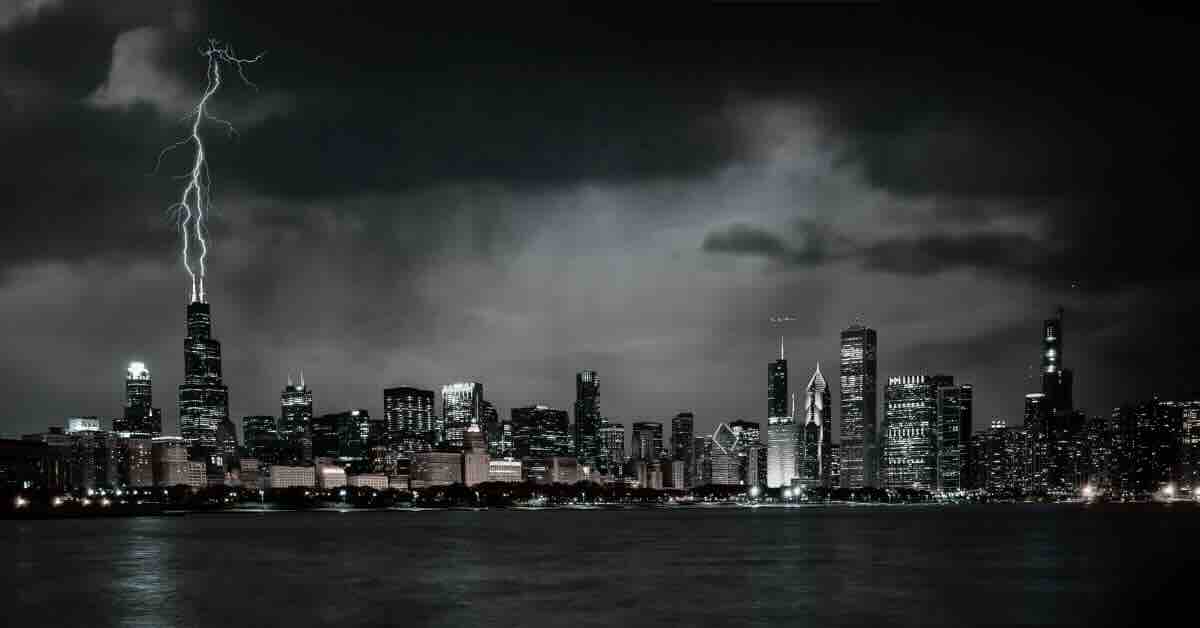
column 923, row 441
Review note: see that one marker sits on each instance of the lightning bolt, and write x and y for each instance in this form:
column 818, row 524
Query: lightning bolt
column 194, row 203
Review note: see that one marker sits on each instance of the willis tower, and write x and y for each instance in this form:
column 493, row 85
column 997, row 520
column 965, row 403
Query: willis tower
column 203, row 398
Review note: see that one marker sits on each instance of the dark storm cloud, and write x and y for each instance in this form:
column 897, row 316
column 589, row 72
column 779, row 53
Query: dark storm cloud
column 813, row 246
column 414, row 197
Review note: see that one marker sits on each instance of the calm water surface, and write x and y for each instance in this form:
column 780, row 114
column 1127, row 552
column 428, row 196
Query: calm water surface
column 919, row 566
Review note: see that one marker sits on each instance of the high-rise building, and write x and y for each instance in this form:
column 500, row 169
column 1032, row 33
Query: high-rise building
column 1057, row 380
column 815, row 462
column 859, row 406
column 436, row 468
column 461, row 407
column 343, row 435
column 410, row 419
column 295, row 422
column 139, row 415
column 783, row 450
column 683, row 428
column 295, row 409
column 648, row 440
column 910, row 417
column 777, row 386
column 612, row 437
column 227, row 445
column 170, row 459
column 541, row 432
column 258, row 429
column 489, row 416
column 954, row 409
column 588, row 443
column 682, row 433
column 203, row 397
column 748, row 433
column 783, row 435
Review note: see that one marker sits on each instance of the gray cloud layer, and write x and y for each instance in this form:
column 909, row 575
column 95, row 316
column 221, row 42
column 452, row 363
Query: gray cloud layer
column 418, row 207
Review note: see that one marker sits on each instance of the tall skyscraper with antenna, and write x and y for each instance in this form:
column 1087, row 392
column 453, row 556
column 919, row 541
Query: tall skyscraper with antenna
column 783, row 434
column 203, row 397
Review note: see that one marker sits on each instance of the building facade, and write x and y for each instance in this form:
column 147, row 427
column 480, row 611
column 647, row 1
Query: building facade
column 411, row 419
column 461, row 407
column 910, row 417
column 203, row 397
column 859, row 403
column 588, row 422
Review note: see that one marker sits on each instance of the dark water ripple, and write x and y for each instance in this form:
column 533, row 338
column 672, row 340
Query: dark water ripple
column 977, row 565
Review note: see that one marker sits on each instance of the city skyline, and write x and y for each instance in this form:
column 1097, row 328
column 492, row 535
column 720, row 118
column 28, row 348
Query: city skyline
column 772, row 181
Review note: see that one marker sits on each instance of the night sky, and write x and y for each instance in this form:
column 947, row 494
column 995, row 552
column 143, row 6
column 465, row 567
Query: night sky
column 508, row 198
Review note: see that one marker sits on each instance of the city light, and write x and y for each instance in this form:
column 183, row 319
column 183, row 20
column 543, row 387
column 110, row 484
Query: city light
column 1088, row 491
column 21, row 502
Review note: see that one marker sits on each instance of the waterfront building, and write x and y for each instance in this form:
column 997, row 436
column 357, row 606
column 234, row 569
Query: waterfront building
column 476, row 465
column 859, row 402
column 411, row 420
column 377, row 481
column 436, row 468
column 648, row 440
column 169, row 455
column 683, row 433
column 814, row 460
column 954, row 417
column 910, row 417
column 139, row 416
column 504, row 470
column 292, row 476
column 540, row 431
column 613, row 453
column 461, row 407
column 330, row 476
column 588, row 443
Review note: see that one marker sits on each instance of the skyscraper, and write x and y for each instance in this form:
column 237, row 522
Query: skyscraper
column 783, row 436
column 777, row 386
column 541, row 432
column 461, row 407
column 612, row 436
column 648, row 440
column 139, row 416
column 410, row 420
column 203, row 398
column 588, row 443
column 859, row 405
column 954, row 409
column 783, row 450
column 1057, row 381
column 258, row 431
column 815, row 464
column 295, row 409
column 910, row 417
column 683, row 428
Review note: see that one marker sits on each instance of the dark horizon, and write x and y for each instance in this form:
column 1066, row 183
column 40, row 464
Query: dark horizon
column 515, row 203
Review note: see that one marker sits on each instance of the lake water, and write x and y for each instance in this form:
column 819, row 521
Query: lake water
column 831, row 566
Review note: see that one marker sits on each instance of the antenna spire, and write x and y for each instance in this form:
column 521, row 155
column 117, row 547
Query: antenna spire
column 781, row 347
